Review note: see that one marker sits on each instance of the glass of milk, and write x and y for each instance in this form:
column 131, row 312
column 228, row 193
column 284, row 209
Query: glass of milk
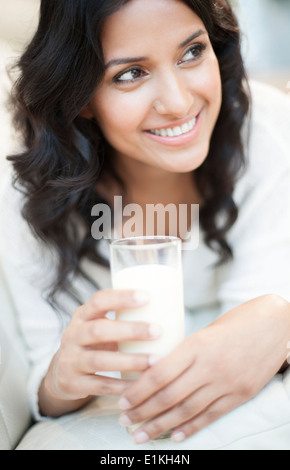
column 153, row 265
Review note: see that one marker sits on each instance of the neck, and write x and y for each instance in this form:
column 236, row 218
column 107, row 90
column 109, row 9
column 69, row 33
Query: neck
column 149, row 185
column 146, row 187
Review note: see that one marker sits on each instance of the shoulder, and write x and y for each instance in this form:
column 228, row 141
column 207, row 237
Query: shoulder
column 11, row 204
column 271, row 108
column 268, row 148
column 270, row 127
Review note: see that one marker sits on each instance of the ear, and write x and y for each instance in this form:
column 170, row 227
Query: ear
column 86, row 112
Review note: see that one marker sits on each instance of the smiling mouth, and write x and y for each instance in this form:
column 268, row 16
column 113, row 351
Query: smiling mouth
column 175, row 131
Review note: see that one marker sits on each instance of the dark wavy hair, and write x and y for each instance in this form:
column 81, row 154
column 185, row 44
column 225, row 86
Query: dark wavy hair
column 65, row 154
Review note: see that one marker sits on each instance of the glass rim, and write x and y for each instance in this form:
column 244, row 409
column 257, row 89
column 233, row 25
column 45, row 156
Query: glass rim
column 157, row 242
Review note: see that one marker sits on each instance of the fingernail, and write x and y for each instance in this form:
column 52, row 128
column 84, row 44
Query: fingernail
column 124, row 420
column 140, row 297
column 178, row 437
column 124, row 404
column 141, row 437
column 155, row 331
column 153, row 360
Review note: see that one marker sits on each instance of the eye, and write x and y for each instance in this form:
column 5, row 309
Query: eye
column 193, row 53
column 129, row 76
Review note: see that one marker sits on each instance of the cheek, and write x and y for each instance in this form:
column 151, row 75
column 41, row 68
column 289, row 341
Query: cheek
column 208, row 84
column 120, row 116
column 214, row 85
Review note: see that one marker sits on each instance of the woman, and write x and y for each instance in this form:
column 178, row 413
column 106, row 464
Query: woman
column 148, row 100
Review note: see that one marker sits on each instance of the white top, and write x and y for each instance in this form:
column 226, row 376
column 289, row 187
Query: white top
column 260, row 240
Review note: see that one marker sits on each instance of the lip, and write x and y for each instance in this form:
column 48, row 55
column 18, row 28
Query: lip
column 175, row 123
column 180, row 140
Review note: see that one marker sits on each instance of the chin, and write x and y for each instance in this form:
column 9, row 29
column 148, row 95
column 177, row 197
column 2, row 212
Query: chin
column 190, row 162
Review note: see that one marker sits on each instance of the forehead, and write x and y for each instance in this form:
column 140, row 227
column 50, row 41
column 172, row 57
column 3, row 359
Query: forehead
column 141, row 24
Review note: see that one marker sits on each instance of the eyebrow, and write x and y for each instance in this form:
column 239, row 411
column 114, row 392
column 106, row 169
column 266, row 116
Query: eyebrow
column 129, row 60
column 125, row 60
column 196, row 35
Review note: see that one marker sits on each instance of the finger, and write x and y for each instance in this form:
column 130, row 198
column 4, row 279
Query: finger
column 108, row 331
column 105, row 301
column 90, row 362
column 189, row 384
column 214, row 412
column 94, row 385
column 179, row 414
column 113, row 346
column 156, row 378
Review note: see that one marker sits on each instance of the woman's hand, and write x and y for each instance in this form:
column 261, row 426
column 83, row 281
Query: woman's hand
column 211, row 372
column 88, row 346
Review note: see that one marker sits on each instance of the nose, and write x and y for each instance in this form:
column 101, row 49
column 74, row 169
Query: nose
column 173, row 97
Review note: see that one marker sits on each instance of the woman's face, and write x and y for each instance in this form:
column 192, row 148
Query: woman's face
column 161, row 94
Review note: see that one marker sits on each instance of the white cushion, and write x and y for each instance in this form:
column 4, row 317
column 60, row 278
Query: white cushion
column 14, row 408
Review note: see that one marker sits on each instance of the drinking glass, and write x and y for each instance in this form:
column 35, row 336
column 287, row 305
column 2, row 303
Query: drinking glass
column 153, row 265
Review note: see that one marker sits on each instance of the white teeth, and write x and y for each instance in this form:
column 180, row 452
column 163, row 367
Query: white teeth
column 176, row 131
column 185, row 128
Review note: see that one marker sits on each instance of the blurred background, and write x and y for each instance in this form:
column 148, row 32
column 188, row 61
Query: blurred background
column 265, row 25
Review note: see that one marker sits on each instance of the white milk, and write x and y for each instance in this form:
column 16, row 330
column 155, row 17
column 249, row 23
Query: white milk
column 166, row 307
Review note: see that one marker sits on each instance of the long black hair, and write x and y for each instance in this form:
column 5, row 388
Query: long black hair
column 65, row 154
